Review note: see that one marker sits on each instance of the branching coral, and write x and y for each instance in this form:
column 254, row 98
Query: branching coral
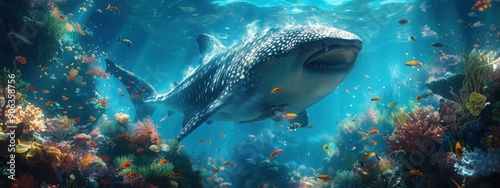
column 421, row 127
column 475, row 103
column 31, row 116
column 479, row 162
column 60, row 128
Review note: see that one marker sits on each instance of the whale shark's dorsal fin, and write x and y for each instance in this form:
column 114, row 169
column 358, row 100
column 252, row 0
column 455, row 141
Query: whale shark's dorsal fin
column 209, row 44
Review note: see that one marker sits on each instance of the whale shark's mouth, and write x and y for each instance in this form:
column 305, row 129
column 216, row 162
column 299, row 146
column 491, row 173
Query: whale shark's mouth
column 333, row 57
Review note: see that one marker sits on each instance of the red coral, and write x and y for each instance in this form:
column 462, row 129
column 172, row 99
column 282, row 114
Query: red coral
column 420, row 128
column 24, row 180
column 81, row 141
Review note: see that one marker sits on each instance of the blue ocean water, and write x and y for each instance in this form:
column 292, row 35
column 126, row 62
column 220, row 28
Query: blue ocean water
column 59, row 49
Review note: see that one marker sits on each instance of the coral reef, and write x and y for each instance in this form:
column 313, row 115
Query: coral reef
column 31, row 116
column 480, row 162
column 421, row 128
column 475, row 103
column 446, row 86
column 346, row 178
column 59, row 129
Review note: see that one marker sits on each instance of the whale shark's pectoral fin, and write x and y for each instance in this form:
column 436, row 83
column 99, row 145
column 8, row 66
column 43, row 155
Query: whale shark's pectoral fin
column 301, row 118
column 194, row 120
column 138, row 89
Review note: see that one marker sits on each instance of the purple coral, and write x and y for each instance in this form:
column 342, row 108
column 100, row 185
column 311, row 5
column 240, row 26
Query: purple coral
column 416, row 133
column 480, row 162
column 447, row 109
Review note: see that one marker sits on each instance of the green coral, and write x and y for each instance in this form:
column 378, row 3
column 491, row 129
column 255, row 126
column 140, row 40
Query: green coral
column 475, row 103
column 55, row 26
column 496, row 112
column 345, row 178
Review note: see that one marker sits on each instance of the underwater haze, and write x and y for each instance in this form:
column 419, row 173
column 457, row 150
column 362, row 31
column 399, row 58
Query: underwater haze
column 250, row 93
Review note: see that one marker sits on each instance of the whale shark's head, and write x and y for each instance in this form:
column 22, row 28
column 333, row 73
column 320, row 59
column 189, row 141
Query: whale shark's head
column 307, row 61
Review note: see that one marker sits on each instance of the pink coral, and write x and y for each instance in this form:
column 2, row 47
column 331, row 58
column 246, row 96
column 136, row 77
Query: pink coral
column 145, row 132
column 447, row 109
column 82, row 140
column 416, row 133
column 445, row 161
column 97, row 71
column 372, row 115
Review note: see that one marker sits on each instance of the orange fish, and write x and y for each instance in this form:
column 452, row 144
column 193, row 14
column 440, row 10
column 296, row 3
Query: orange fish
column 289, row 116
column 131, row 175
column 106, row 181
column 149, row 131
column 76, row 120
column 80, row 107
column 21, row 59
column 163, row 161
column 92, row 118
column 215, row 170
column 373, row 142
column 223, row 135
column 374, row 99
column 413, row 63
column 418, row 97
column 64, row 98
column 201, row 140
column 459, row 151
column 373, row 131
column 102, row 102
column 481, row 5
column 154, row 139
column 70, row 78
column 126, row 164
column 276, row 90
column 416, row 172
column 364, row 137
column 45, row 91
column 49, row 103
column 325, row 177
column 32, row 88
column 275, row 152
column 92, row 144
column 182, row 146
column 176, row 175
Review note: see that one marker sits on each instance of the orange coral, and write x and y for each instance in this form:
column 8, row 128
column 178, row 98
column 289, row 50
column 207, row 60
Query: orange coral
column 31, row 116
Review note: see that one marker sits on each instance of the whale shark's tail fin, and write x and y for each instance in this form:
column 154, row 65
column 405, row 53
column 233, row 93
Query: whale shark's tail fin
column 138, row 89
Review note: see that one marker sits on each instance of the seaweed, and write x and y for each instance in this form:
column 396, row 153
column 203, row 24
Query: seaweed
column 6, row 84
column 477, row 67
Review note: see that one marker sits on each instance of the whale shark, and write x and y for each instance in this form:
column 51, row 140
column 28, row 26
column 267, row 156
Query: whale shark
column 240, row 83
